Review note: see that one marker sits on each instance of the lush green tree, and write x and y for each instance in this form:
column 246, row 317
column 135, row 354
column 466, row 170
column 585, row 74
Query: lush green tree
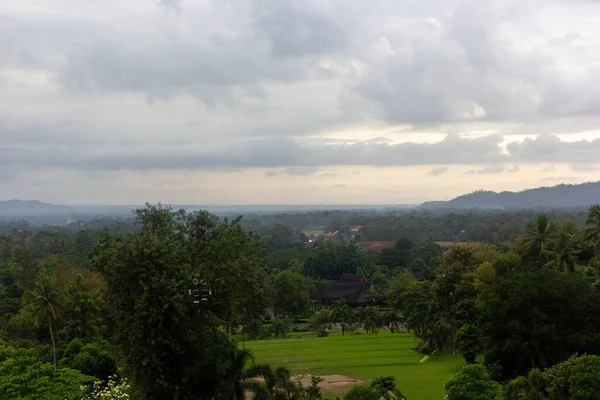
column 592, row 230
column 537, row 318
column 320, row 322
column 562, row 252
column 473, row 382
column 539, row 233
column 81, row 311
column 344, row 314
column 331, row 260
column 280, row 327
column 165, row 336
column 90, row 359
column 291, row 294
column 577, row 378
column 44, row 304
column 24, row 376
column 532, row 387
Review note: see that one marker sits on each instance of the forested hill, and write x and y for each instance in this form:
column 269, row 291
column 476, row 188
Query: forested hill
column 561, row 196
column 30, row 207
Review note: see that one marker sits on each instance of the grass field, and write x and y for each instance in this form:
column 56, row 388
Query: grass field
column 362, row 357
column 315, row 232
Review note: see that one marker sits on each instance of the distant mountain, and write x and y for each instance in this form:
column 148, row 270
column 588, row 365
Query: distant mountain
column 561, row 196
column 31, row 207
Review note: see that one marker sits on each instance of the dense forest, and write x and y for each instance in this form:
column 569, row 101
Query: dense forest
column 151, row 307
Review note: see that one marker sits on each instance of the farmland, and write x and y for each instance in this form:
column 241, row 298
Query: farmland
column 362, row 357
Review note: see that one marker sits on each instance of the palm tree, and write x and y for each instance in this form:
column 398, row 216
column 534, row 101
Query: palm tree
column 562, row 252
column 539, row 233
column 592, row 230
column 531, row 387
column 276, row 385
column 44, row 304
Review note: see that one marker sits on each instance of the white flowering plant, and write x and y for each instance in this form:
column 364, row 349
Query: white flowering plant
column 114, row 389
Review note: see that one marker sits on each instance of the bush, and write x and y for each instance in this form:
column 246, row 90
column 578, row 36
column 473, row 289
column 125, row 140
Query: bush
column 114, row 389
column 320, row 323
column 362, row 392
column 254, row 329
column 383, row 387
column 473, row 382
column 90, row 359
column 279, row 327
column 24, row 377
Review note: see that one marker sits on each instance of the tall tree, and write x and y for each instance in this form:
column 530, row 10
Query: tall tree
column 592, row 231
column 165, row 335
column 44, row 304
column 538, row 235
column 291, row 294
column 562, row 253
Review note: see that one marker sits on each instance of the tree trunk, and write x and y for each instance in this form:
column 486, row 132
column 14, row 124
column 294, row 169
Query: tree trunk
column 53, row 342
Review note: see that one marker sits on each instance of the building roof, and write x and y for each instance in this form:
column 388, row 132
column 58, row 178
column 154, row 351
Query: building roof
column 349, row 287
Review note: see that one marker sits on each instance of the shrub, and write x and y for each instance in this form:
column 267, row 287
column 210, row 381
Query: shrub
column 383, row 387
column 114, row 389
column 320, row 323
column 90, row 359
column 254, row 329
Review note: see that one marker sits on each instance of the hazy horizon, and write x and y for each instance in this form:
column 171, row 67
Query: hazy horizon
column 295, row 102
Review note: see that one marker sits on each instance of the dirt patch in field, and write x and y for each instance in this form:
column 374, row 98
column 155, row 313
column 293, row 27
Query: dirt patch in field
column 329, row 382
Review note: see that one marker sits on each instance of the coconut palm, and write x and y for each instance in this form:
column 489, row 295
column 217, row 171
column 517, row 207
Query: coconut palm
column 592, row 230
column 44, row 304
column 531, row 387
column 276, row 383
column 539, row 233
column 562, row 253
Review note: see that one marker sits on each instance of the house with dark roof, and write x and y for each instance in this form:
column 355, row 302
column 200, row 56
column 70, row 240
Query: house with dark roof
column 350, row 287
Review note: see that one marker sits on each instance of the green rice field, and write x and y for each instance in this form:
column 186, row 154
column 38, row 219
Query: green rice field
column 362, row 357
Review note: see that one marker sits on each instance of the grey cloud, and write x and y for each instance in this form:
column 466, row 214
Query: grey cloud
column 174, row 5
column 549, row 148
column 514, row 169
column 300, row 170
column 584, row 167
column 264, row 153
column 340, row 185
column 297, row 29
column 438, row 171
column 551, row 168
column 490, row 169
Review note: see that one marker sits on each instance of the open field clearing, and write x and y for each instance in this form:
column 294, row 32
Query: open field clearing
column 362, row 357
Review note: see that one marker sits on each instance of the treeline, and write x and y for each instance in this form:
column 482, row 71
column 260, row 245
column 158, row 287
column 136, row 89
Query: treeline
column 149, row 307
column 530, row 314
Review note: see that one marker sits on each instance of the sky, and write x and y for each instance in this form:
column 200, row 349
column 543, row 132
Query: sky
column 295, row 101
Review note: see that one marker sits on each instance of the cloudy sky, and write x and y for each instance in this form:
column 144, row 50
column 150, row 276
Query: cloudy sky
column 295, row 101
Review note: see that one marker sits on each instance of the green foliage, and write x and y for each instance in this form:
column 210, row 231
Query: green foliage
column 90, row 359
column 291, row 294
column 254, row 329
column 535, row 319
column 280, row 327
column 169, row 350
column 320, row 323
column 23, row 376
column 114, row 389
column 473, row 383
column 577, row 378
column 380, row 388
column 331, row 260
column 81, row 311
